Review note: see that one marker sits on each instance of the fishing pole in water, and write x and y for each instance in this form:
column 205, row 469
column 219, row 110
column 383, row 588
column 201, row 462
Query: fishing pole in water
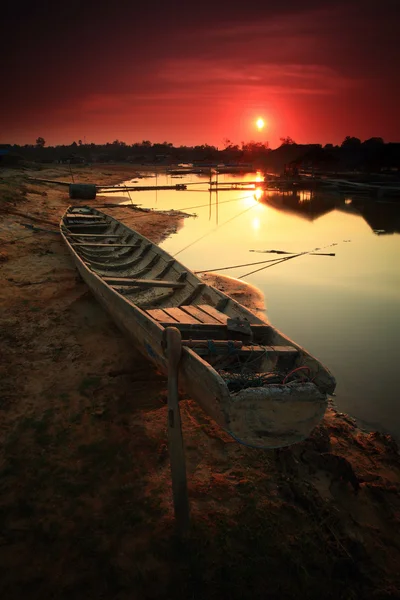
column 285, row 259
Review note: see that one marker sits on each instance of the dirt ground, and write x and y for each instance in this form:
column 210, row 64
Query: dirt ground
column 85, row 491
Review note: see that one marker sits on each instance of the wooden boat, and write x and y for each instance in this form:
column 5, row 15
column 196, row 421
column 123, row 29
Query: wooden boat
column 260, row 386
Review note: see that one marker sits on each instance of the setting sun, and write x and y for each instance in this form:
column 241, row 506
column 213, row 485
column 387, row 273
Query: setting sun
column 260, row 123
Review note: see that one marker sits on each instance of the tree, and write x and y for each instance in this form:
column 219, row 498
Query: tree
column 351, row 142
column 374, row 142
column 287, row 141
column 40, row 142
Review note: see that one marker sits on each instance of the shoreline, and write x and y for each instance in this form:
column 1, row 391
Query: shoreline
column 84, row 439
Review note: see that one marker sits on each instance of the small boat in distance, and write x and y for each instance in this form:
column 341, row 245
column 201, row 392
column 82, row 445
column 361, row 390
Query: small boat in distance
column 257, row 384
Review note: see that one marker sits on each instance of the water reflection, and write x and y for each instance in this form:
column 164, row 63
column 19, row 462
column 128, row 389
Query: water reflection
column 343, row 309
column 383, row 217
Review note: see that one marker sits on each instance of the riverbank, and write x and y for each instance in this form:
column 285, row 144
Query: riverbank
column 85, row 502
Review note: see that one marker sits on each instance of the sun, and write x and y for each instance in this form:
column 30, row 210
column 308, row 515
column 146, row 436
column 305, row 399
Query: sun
column 260, row 123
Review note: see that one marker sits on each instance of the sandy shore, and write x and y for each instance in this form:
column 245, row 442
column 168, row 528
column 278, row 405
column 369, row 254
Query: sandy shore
column 85, row 503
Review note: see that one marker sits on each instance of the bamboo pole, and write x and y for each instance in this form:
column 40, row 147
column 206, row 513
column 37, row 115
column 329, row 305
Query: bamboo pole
column 175, row 438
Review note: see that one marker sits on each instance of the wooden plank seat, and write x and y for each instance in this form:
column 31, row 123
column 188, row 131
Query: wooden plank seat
column 189, row 320
column 220, row 317
column 198, row 314
column 190, row 313
column 175, row 315
column 145, row 283
column 180, row 315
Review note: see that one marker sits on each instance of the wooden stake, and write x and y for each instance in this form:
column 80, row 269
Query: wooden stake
column 175, row 438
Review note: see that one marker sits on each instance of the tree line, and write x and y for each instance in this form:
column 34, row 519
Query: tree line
column 371, row 155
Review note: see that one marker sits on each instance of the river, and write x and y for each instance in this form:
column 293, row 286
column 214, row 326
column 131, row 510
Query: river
column 345, row 309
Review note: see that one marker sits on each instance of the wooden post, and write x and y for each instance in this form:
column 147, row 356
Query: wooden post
column 175, row 439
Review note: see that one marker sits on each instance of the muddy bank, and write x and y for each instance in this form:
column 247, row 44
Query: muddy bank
column 85, row 494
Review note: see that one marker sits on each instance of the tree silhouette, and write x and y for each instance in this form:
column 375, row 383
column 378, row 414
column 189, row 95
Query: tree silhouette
column 351, row 142
column 374, row 142
column 40, row 142
column 287, row 141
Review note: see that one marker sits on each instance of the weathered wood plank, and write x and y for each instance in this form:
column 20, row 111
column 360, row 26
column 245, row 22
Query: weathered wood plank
column 95, row 235
column 213, row 312
column 159, row 315
column 146, row 268
column 98, row 224
column 127, row 281
column 148, row 304
column 104, row 245
column 218, row 348
column 81, row 216
column 180, row 315
column 199, row 314
column 217, row 343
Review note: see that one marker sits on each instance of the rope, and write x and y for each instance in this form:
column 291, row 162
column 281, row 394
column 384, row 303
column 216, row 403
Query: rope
column 215, row 229
column 260, row 262
column 212, row 204
column 197, row 205
column 295, row 371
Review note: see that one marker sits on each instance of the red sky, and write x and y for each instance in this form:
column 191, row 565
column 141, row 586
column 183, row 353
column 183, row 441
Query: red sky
column 193, row 73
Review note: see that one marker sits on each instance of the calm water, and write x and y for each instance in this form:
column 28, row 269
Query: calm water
column 343, row 309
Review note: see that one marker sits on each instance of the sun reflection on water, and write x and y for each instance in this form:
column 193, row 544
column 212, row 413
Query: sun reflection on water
column 304, row 196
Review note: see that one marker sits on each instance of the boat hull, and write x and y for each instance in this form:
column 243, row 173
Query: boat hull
column 263, row 417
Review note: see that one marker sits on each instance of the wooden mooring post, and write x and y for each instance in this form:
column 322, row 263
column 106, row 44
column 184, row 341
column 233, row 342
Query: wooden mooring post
column 175, row 438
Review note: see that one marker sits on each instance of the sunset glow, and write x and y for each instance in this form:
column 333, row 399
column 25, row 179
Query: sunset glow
column 201, row 80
